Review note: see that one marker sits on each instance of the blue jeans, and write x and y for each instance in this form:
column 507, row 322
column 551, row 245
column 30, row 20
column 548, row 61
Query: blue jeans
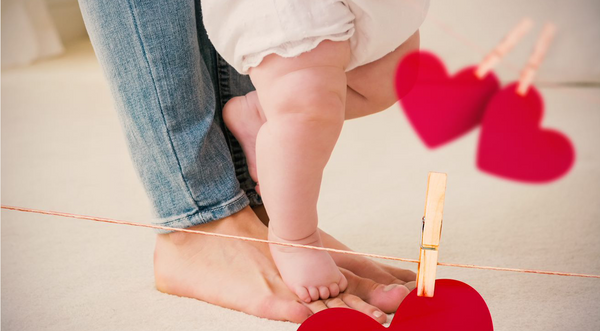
column 169, row 86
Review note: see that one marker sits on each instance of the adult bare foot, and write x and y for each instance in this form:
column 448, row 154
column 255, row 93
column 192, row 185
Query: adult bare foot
column 241, row 275
column 386, row 297
column 229, row 273
column 364, row 267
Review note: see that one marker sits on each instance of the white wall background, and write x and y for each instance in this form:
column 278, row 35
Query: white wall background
column 573, row 56
column 38, row 29
column 68, row 20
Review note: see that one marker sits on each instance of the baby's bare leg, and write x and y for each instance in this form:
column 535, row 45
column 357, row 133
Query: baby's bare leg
column 371, row 86
column 303, row 100
column 370, row 89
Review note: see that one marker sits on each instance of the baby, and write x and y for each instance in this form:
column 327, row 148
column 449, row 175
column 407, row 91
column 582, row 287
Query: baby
column 314, row 63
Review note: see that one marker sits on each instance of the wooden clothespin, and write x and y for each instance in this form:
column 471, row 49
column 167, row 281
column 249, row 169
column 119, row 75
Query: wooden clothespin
column 431, row 233
column 541, row 47
column 511, row 39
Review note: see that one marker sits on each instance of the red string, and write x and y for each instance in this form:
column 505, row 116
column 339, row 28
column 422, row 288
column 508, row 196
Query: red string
column 333, row 250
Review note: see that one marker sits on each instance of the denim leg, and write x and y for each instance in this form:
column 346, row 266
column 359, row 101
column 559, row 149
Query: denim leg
column 165, row 79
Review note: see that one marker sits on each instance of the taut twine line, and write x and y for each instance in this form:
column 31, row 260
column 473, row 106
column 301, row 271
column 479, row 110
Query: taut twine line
column 332, row 250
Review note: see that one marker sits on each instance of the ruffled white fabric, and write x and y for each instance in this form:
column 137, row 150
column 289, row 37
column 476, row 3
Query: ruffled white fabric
column 245, row 31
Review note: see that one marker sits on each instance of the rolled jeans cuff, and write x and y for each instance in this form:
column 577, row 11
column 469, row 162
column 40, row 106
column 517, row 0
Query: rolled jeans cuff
column 169, row 87
column 228, row 208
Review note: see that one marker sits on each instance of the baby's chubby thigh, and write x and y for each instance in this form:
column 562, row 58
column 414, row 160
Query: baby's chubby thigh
column 310, row 86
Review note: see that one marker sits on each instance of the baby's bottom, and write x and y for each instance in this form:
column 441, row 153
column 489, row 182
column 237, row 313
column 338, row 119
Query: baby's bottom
column 303, row 102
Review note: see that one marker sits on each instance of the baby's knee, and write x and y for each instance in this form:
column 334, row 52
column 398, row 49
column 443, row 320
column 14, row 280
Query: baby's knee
column 314, row 107
column 310, row 88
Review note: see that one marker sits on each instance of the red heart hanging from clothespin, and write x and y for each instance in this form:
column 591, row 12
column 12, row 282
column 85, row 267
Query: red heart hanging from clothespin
column 444, row 304
column 455, row 306
column 439, row 107
column 513, row 145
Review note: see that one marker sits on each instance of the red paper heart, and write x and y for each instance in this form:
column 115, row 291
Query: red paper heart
column 441, row 108
column 512, row 144
column 455, row 306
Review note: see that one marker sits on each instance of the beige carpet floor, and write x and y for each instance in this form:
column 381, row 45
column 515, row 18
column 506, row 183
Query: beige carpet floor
column 62, row 149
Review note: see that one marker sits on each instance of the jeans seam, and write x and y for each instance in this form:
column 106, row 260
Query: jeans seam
column 160, row 106
column 220, row 87
column 224, row 92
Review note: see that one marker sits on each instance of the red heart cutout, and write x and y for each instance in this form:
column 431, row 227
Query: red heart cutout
column 439, row 107
column 513, row 145
column 455, row 306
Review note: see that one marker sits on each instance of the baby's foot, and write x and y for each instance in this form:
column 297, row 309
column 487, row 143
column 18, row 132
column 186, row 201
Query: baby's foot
column 243, row 118
column 309, row 273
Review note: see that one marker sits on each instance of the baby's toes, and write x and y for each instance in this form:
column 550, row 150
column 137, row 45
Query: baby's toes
column 314, row 293
column 303, row 294
column 323, row 292
column 334, row 290
column 343, row 283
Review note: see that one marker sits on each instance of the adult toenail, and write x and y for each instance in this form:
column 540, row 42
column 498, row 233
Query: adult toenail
column 390, row 287
column 377, row 314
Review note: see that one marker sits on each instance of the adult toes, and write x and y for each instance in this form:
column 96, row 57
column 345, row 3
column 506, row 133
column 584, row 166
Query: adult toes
column 336, row 303
column 382, row 276
column 411, row 285
column 388, row 297
column 402, row 274
column 357, row 303
column 323, row 292
column 283, row 309
column 383, row 296
column 294, row 312
column 316, row 306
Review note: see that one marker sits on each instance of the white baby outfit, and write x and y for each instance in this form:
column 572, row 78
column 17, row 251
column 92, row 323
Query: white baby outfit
column 245, row 31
